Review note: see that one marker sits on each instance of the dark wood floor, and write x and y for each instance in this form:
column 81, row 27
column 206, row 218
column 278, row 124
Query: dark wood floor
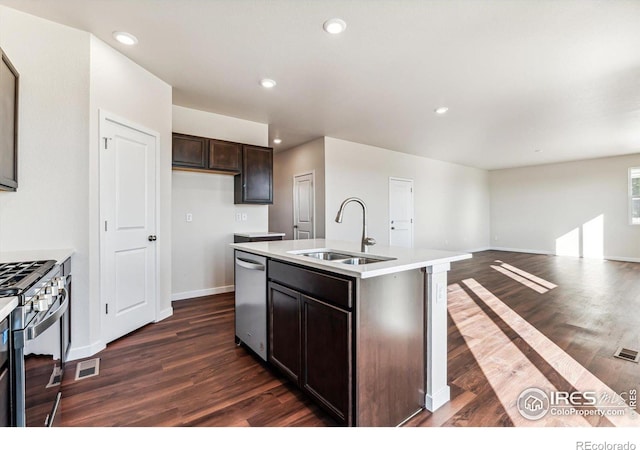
column 187, row 371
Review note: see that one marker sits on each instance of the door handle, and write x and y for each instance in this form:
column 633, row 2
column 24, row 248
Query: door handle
column 152, row 237
column 393, row 228
column 295, row 226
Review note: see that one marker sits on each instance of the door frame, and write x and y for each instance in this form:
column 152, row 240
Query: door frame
column 105, row 116
column 413, row 208
column 293, row 209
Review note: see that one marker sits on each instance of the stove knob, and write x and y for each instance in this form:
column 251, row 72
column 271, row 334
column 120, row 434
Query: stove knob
column 53, row 289
column 60, row 282
column 42, row 302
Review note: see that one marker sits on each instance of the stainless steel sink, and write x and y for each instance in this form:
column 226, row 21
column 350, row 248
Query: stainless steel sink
column 359, row 261
column 327, row 256
column 342, row 257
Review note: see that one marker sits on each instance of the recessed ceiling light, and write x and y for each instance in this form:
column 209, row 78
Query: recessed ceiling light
column 334, row 26
column 277, row 141
column 441, row 110
column 125, row 38
column 538, row 150
column 267, row 83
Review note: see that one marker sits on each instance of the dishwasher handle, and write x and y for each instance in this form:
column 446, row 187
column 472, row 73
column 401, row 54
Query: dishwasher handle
column 251, row 265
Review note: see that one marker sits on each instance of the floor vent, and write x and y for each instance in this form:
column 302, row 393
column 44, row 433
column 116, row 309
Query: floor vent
column 627, row 354
column 88, row 368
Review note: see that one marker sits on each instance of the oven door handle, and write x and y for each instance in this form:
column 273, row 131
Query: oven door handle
column 40, row 328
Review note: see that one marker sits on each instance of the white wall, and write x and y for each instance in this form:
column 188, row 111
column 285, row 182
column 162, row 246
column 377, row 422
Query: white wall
column 296, row 161
column 121, row 87
column 49, row 210
column 451, row 202
column 203, row 260
column 532, row 207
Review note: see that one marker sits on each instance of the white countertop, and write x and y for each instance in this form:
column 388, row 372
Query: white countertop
column 7, row 304
column 405, row 258
column 257, row 234
column 58, row 255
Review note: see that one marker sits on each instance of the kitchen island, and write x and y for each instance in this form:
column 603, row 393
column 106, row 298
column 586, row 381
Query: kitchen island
column 364, row 334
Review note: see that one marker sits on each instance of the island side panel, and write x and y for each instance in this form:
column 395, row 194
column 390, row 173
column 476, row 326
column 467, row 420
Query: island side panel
column 437, row 391
column 389, row 348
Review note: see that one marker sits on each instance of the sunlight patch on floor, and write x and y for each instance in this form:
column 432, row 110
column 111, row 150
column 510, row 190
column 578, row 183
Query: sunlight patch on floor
column 507, row 369
column 541, row 281
column 522, row 280
column 570, row 369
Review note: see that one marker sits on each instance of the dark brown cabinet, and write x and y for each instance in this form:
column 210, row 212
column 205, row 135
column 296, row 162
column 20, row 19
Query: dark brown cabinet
column 251, row 165
column 8, row 124
column 326, row 353
column 284, row 323
column 189, row 152
column 255, row 183
column 224, row 156
column 204, row 154
column 310, row 339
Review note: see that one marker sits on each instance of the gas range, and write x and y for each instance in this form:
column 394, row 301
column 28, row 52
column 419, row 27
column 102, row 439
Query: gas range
column 15, row 278
column 36, row 284
column 39, row 335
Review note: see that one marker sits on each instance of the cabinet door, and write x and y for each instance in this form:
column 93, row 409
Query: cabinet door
column 326, row 352
column 224, row 155
column 189, row 151
column 256, row 181
column 8, row 125
column 284, row 330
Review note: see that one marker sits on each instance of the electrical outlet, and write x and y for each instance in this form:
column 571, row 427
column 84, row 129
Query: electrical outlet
column 238, row 217
column 244, row 217
column 189, row 217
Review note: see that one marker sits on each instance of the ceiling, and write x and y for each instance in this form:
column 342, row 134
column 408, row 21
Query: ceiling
column 526, row 82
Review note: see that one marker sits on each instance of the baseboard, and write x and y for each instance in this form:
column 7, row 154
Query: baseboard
column 202, row 292
column 523, row 250
column 435, row 401
column 479, row 249
column 164, row 314
column 622, row 259
column 543, row 252
column 85, row 351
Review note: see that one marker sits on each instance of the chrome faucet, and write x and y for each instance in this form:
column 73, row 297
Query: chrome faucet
column 366, row 241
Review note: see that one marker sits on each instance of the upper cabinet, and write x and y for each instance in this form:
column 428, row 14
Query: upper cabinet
column 198, row 153
column 8, row 125
column 225, row 156
column 255, row 183
column 252, row 165
column 189, row 152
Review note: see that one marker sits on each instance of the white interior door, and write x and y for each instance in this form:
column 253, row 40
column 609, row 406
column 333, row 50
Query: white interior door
column 400, row 212
column 128, row 215
column 303, row 194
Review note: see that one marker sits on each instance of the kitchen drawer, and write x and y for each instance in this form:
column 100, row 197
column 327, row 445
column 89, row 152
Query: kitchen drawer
column 330, row 288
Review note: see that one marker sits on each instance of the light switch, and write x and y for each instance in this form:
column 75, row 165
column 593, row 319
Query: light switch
column 244, row 217
column 238, row 217
column 189, row 217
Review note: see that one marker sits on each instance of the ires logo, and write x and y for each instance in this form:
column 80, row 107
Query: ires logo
column 559, row 398
column 534, row 403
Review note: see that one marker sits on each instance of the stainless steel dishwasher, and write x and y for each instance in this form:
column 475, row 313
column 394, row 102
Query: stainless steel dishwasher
column 251, row 301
